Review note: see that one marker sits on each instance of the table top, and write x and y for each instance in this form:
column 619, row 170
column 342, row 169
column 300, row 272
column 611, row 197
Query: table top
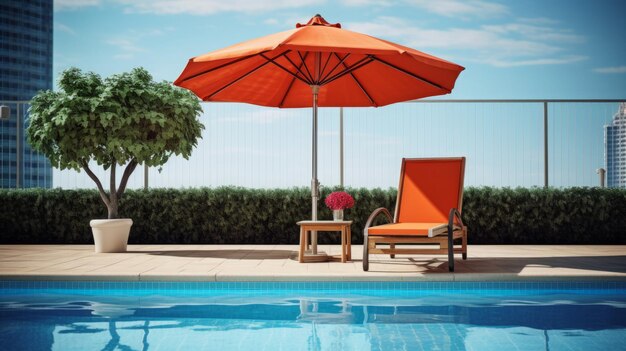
column 309, row 222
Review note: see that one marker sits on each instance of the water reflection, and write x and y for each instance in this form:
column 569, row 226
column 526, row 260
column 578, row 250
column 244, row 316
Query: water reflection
column 354, row 322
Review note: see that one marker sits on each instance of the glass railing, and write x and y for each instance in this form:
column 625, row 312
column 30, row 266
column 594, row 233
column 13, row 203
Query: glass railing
column 508, row 143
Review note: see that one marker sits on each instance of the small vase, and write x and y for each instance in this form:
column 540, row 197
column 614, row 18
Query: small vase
column 338, row 215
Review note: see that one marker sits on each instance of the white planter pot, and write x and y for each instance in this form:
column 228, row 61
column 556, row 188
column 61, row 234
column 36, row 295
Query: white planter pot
column 111, row 235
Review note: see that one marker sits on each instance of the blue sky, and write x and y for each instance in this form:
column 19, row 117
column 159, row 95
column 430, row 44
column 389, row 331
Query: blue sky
column 511, row 50
column 514, row 49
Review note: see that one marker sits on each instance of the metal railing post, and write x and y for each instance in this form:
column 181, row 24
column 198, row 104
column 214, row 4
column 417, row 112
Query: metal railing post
column 545, row 144
column 18, row 147
column 145, row 176
column 341, row 147
column 601, row 172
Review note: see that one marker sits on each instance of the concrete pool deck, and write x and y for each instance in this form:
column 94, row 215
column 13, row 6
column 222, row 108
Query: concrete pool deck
column 279, row 263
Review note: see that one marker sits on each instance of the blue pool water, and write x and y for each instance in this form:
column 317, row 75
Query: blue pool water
column 312, row 316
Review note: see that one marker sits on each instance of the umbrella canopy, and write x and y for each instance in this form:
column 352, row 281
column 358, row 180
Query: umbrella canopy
column 353, row 69
column 317, row 64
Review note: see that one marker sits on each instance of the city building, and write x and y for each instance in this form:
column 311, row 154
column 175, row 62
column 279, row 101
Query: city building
column 25, row 69
column 615, row 149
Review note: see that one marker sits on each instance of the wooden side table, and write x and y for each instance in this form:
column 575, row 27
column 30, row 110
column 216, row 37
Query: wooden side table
column 326, row 226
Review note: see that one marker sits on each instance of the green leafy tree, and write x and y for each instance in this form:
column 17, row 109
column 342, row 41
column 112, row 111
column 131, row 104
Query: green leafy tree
column 126, row 119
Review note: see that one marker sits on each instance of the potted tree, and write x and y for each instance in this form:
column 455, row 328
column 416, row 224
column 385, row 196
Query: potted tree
column 126, row 119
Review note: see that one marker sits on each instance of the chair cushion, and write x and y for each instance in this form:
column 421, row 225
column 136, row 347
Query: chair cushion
column 429, row 188
column 410, row 229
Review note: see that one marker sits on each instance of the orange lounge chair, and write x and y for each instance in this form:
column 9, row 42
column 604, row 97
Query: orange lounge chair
column 428, row 211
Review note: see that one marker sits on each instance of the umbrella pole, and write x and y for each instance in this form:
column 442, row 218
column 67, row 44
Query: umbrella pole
column 315, row 193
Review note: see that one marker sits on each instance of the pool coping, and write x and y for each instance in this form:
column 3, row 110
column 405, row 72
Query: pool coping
column 441, row 277
column 273, row 263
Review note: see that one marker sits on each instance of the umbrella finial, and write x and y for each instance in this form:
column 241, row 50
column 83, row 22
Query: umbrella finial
column 318, row 20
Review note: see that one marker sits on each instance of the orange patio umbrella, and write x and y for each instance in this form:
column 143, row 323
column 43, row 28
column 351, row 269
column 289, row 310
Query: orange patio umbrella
column 317, row 64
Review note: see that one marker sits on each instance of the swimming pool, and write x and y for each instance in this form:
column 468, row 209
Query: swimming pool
column 39, row 315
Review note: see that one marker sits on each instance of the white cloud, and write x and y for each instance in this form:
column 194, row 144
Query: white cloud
column 541, row 61
column 271, row 21
column 128, row 48
column 461, row 8
column 208, row 7
column 535, row 32
column 128, row 44
column 126, row 56
column 125, row 44
column 366, row 2
column 60, row 5
column 505, row 45
column 453, row 38
column 287, row 19
column 611, row 70
column 60, row 27
column 538, row 21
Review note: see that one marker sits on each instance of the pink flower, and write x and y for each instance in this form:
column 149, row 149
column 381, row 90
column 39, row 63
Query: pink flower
column 339, row 200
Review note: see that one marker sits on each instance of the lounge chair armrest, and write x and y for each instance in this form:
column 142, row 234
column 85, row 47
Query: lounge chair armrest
column 454, row 213
column 366, row 243
column 375, row 213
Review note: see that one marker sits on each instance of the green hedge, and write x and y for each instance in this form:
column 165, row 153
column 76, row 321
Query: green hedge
column 545, row 216
column 252, row 216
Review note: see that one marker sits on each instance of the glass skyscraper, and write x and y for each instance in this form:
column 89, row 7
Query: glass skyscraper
column 615, row 149
column 25, row 68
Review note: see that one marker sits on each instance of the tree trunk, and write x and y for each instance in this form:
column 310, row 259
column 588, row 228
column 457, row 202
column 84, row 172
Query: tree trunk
column 103, row 194
column 112, row 208
column 113, row 204
column 112, row 199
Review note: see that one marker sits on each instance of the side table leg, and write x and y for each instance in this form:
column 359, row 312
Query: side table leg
column 343, row 244
column 302, row 244
column 349, row 248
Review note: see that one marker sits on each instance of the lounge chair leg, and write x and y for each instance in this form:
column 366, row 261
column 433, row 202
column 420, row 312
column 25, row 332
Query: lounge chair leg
column 450, row 247
column 464, row 243
column 392, row 246
column 366, row 244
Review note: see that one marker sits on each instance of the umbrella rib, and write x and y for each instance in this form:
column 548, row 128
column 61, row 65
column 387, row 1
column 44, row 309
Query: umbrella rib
column 293, row 79
column 325, row 64
column 299, row 69
column 221, row 66
column 369, row 97
column 306, row 67
column 360, row 63
column 282, row 101
column 235, row 81
column 269, row 60
column 337, row 65
column 245, row 74
column 411, row 74
column 317, row 62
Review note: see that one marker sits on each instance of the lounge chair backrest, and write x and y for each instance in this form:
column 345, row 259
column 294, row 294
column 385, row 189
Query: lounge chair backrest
column 429, row 188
